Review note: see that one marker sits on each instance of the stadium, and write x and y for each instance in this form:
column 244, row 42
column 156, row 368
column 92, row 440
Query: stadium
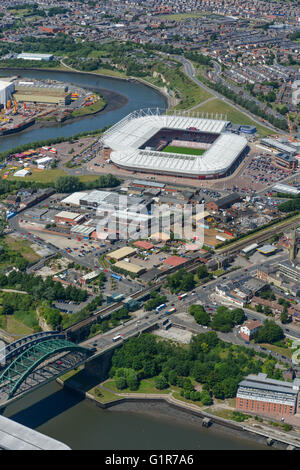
column 179, row 144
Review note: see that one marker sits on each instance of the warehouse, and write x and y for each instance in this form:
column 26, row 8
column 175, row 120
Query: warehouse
column 130, row 267
column 122, row 253
column 66, row 217
column 73, row 200
column 32, row 56
column 6, row 91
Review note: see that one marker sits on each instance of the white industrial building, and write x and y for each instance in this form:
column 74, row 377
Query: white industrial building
column 127, row 136
column 32, row 56
column 6, row 91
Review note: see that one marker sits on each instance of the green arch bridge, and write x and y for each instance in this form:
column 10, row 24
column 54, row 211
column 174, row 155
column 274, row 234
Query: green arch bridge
column 40, row 363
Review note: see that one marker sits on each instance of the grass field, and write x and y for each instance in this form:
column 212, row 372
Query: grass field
column 218, row 106
column 180, row 16
column 23, row 247
column 46, row 176
column 85, row 110
column 183, row 150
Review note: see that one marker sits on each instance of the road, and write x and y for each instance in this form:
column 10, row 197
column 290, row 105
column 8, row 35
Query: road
column 189, row 70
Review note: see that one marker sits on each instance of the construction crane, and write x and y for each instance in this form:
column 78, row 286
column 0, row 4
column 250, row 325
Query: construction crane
column 15, row 105
column 8, row 104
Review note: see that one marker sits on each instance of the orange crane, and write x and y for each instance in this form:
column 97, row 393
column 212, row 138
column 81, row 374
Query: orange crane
column 15, row 105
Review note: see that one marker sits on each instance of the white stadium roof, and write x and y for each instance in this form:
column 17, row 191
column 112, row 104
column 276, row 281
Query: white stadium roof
column 125, row 138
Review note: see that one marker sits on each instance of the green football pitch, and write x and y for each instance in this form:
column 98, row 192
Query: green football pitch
column 183, row 150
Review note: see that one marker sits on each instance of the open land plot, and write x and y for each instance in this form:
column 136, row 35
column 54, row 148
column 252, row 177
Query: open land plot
column 183, row 150
column 181, row 16
column 234, row 115
column 23, row 247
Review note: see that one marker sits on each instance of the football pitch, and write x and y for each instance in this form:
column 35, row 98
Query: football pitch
column 183, row 150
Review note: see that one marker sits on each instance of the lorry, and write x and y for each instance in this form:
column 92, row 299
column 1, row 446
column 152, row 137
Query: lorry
column 171, row 310
column 182, row 296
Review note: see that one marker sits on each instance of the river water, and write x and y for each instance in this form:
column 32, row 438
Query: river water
column 62, row 415
column 123, row 97
column 82, row 425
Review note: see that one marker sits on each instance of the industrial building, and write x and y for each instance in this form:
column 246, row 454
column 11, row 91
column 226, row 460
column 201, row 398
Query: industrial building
column 33, row 56
column 137, row 142
column 122, row 253
column 6, row 91
column 40, row 92
column 285, row 189
column 286, row 148
column 261, row 395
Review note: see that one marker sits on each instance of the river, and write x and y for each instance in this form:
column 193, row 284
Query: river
column 59, row 413
column 82, row 425
column 122, row 97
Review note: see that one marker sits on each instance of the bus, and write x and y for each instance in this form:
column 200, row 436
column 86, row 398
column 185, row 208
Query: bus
column 160, row 307
column 117, row 338
column 115, row 276
column 172, row 310
column 182, row 296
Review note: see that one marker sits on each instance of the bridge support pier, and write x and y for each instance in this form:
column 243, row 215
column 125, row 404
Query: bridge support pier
column 100, row 366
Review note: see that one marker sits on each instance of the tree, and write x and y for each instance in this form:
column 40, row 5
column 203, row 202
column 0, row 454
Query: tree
column 160, row 382
column 284, row 317
column 199, row 314
column 269, row 333
column 68, row 184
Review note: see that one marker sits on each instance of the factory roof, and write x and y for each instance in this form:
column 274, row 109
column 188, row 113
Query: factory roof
column 122, row 252
column 130, row 267
column 73, row 199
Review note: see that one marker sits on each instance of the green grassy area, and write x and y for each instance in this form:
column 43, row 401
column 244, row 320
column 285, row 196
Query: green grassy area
column 85, row 110
column 14, row 327
column 180, row 16
column 23, row 247
column 218, row 106
column 183, row 150
column 146, row 386
column 47, row 176
column 282, row 351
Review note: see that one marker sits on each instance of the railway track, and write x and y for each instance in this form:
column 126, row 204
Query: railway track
column 106, row 311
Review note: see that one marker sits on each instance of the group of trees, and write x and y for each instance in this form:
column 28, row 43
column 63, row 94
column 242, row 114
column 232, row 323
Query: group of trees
column 69, row 184
column 290, row 206
column 42, row 289
column 225, row 319
column 155, row 300
column 199, row 314
column 269, row 333
column 250, row 105
column 181, row 281
column 216, row 365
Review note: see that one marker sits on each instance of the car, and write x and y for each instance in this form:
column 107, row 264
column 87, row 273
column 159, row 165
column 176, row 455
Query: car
column 59, row 363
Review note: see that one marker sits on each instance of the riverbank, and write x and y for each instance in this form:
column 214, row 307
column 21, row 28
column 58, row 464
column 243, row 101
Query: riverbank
column 67, row 69
column 111, row 100
column 157, row 404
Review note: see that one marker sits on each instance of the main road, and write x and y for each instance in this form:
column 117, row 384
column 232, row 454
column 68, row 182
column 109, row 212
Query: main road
column 189, row 70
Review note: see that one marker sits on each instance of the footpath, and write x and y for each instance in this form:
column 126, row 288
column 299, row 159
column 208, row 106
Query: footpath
column 254, row 430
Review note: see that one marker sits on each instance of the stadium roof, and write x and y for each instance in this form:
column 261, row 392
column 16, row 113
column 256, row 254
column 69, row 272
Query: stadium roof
column 127, row 136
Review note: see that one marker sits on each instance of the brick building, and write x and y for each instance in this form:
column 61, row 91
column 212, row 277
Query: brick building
column 223, row 203
column 249, row 328
column 263, row 396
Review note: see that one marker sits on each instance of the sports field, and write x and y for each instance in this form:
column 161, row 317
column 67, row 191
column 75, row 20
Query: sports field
column 183, row 150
